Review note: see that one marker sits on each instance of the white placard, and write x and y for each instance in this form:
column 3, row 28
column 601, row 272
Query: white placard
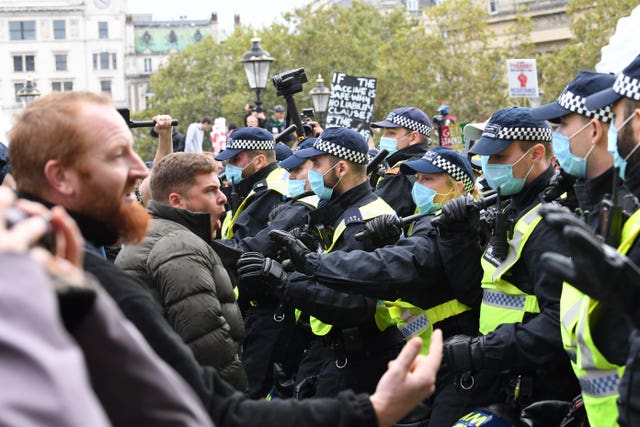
column 522, row 76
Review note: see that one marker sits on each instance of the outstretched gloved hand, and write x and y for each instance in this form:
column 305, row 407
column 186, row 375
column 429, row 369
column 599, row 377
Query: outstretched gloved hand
column 254, row 267
column 459, row 214
column 384, row 230
column 593, row 267
column 297, row 250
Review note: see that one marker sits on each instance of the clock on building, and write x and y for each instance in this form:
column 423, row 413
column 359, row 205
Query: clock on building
column 102, row 4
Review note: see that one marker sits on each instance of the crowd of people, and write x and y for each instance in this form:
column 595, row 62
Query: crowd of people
column 319, row 286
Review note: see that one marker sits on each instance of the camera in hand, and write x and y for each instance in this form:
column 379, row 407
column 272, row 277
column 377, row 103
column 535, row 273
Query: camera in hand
column 290, row 82
column 13, row 215
column 306, row 116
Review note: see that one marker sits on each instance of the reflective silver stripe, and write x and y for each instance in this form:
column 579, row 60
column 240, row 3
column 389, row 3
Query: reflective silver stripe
column 415, row 325
column 600, row 383
column 500, row 299
column 571, row 315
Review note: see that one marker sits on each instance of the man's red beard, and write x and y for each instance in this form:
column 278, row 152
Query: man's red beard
column 131, row 222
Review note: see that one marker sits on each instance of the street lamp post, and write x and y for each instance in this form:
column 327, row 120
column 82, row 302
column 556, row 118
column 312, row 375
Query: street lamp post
column 256, row 65
column 29, row 92
column 320, row 96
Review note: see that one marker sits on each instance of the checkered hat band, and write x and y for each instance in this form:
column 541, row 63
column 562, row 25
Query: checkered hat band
column 406, row 122
column 627, row 86
column 454, row 170
column 340, row 151
column 522, row 134
column 576, row 104
column 251, row 144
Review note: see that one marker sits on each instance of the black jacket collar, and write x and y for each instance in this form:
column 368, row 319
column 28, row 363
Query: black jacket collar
column 328, row 212
column 632, row 178
column 410, row 152
column 198, row 223
column 93, row 231
column 530, row 194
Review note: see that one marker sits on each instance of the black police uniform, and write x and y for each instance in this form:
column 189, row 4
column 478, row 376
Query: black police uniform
column 270, row 325
column 262, row 332
column 629, row 387
column 421, row 269
column 611, row 332
column 395, row 187
column 355, row 338
column 528, row 354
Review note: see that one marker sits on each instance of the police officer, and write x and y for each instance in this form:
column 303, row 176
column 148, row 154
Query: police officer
column 519, row 355
column 580, row 145
column 598, row 271
column 580, row 142
column 405, row 133
column 349, row 350
column 416, row 268
column 253, row 173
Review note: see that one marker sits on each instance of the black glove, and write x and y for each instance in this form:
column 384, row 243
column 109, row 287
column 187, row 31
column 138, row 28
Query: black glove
column 384, row 230
column 596, row 269
column 277, row 209
column 254, row 267
column 458, row 215
column 303, row 234
column 296, row 249
column 463, row 354
column 559, row 217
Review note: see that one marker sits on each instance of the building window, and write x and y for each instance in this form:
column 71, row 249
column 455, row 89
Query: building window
column 105, row 86
column 59, row 29
column 61, row 62
column 493, row 6
column 412, row 6
column 147, row 65
column 24, row 63
column 22, row 30
column 103, row 30
column 62, row 86
column 105, row 61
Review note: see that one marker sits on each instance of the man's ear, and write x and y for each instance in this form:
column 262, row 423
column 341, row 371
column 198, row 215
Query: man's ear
column 60, row 178
column 538, row 152
column 597, row 132
column 175, row 200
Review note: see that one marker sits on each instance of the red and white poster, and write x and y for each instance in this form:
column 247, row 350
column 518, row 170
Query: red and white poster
column 522, row 76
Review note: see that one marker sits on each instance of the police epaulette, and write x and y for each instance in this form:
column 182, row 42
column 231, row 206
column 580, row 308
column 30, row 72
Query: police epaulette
column 260, row 185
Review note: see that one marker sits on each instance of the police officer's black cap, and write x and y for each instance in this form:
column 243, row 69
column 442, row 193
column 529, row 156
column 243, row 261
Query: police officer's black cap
column 249, row 138
column 294, row 160
column 573, row 97
column 508, row 125
column 626, row 84
column 344, row 143
column 409, row 118
column 439, row 160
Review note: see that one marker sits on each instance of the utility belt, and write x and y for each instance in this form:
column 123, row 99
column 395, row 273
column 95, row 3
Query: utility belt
column 359, row 341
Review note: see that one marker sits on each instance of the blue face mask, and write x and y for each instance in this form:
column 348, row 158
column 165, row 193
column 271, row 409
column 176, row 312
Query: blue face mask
column 234, row 173
column 423, row 198
column 612, row 147
column 296, row 186
column 316, row 180
column 501, row 176
column 390, row 144
column 569, row 162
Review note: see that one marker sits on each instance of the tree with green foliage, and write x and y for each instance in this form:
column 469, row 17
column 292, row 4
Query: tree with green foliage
column 593, row 22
